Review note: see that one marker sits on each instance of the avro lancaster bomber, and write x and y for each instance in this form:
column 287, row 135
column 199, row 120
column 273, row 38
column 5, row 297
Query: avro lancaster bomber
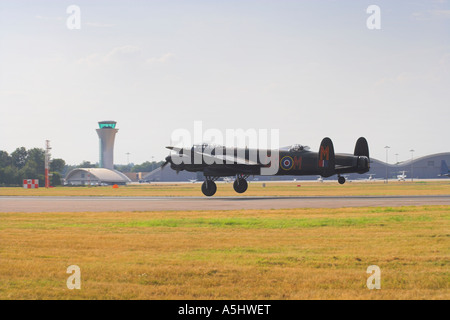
column 218, row 161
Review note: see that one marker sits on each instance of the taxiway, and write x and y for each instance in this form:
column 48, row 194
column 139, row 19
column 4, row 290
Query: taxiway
column 83, row 204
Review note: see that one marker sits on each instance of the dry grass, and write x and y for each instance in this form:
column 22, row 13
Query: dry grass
column 252, row 254
column 255, row 189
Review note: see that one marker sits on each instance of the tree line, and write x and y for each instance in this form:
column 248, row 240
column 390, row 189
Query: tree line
column 147, row 166
column 30, row 164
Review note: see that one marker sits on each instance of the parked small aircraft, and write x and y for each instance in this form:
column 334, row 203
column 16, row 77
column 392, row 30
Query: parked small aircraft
column 402, row 176
column 218, row 161
column 371, row 177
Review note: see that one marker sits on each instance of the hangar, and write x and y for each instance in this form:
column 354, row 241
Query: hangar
column 95, row 176
column 427, row 167
column 168, row 174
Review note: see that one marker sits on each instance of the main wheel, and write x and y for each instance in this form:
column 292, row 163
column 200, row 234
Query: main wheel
column 341, row 180
column 209, row 188
column 240, row 185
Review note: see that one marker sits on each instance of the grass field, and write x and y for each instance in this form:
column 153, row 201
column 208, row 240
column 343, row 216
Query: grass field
column 255, row 189
column 252, row 254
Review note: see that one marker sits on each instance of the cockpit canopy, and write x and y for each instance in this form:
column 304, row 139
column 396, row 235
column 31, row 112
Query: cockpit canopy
column 206, row 146
column 297, row 148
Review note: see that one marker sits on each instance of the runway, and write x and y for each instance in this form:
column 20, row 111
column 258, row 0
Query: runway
column 83, row 204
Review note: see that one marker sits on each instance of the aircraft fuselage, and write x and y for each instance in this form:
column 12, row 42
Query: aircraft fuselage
column 216, row 162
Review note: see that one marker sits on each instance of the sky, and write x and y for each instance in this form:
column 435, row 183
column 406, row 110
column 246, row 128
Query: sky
column 311, row 69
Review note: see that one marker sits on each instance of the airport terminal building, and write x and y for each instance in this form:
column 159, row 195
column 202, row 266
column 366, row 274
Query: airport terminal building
column 105, row 175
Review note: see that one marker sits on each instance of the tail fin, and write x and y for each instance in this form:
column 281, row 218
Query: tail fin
column 362, row 148
column 326, row 158
column 362, row 152
column 444, row 168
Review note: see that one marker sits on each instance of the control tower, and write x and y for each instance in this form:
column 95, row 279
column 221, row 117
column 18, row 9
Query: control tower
column 107, row 133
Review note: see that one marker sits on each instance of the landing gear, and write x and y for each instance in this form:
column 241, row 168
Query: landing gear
column 209, row 187
column 240, row 185
column 341, row 180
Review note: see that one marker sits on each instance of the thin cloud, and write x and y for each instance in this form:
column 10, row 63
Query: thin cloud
column 49, row 18
column 441, row 13
column 431, row 15
column 118, row 55
column 100, row 25
column 12, row 93
column 162, row 59
column 123, row 55
column 126, row 53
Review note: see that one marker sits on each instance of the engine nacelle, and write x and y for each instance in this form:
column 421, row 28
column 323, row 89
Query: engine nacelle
column 363, row 164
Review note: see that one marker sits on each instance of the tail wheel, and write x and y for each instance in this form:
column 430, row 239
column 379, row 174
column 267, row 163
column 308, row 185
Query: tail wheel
column 341, row 180
column 209, row 188
column 240, row 185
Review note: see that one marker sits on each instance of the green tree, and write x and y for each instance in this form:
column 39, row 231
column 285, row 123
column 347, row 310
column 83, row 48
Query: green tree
column 147, row 166
column 5, row 159
column 55, row 179
column 19, row 157
column 57, row 165
column 124, row 167
column 32, row 170
column 9, row 176
column 37, row 157
column 28, row 164
column 87, row 164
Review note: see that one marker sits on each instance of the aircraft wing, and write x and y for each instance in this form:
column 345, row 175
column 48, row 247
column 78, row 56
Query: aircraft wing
column 218, row 158
column 176, row 149
column 339, row 167
column 226, row 158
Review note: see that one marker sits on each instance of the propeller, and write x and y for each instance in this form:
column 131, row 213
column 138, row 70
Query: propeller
column 177, row 167
column 168, row 159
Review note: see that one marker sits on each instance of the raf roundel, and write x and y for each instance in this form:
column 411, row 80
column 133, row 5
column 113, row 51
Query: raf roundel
column 287, row 163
